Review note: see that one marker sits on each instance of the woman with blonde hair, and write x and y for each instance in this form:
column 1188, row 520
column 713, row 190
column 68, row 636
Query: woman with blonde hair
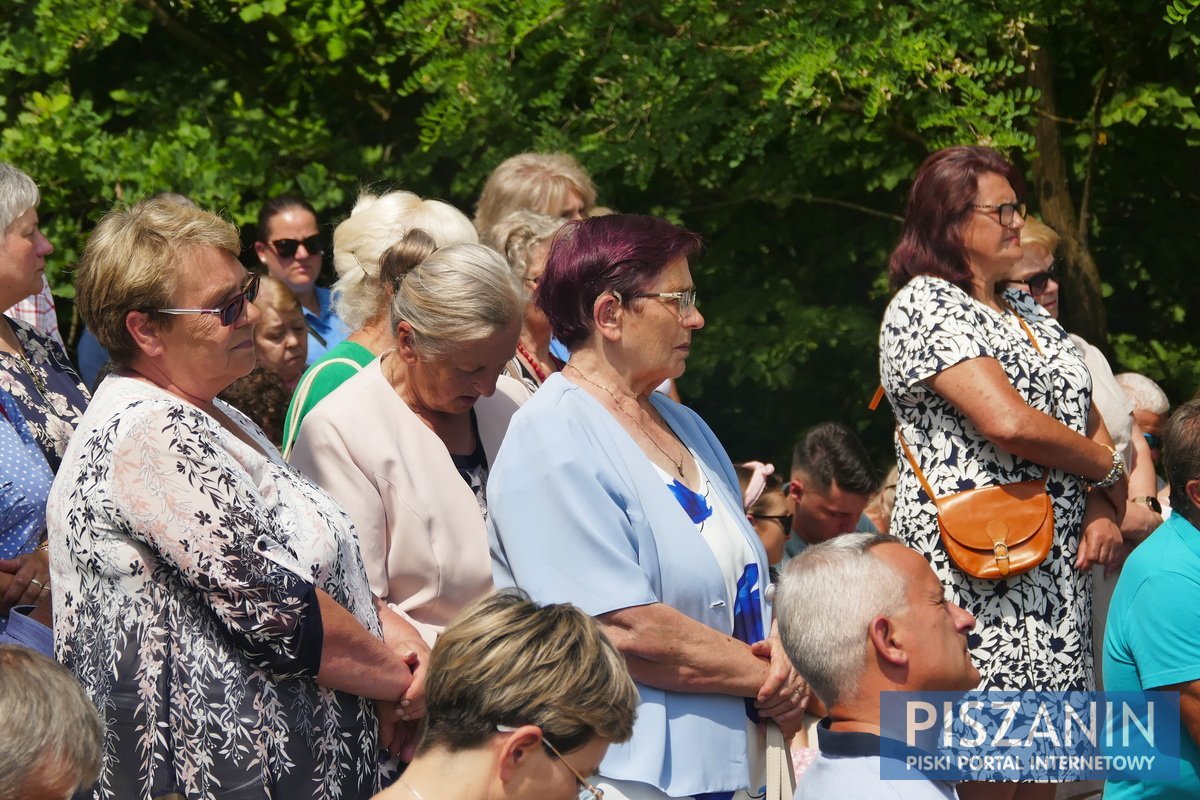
column 523, row 702
column 437, row 408
column 524, row 239
column 362, row 296
column 280, row 335
column 553, row 184
column 210, row 599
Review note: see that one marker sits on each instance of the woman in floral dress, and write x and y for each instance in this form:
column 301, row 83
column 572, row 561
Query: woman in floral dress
column 47, row 395
column 987, row 389
column 211, row 601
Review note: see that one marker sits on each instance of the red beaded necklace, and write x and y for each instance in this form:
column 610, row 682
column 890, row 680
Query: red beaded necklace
column 532, row 362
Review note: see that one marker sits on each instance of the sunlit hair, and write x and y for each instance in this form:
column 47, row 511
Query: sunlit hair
column 518, row 234
column 18, row 194
column 830, row 452
column 376, row 223
column 540, row 182
column 940, row 204
column 273, row 293
column 50, row 726
column 507, row 661
column 131, row 262
column 1144, row 393
column 449, row 295
column 624, row 253
column 277, row 205
column 826, row 600
column 1038, row 232
column 1181, row 457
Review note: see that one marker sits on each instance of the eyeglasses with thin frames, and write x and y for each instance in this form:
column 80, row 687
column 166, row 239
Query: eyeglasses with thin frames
column 1006, row 211
column 286, row 248
column 586, row 790
column 685, row 300
column 230, row 312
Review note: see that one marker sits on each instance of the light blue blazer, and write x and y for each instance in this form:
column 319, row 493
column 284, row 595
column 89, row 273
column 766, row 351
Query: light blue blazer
column 578, row 514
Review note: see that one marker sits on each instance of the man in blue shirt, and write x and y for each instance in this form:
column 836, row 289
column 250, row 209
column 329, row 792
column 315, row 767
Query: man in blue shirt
column 1153, row 637
column 894, row 632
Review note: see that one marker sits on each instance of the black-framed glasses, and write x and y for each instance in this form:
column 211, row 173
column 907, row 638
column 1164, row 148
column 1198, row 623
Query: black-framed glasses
column 783, row 519
column 230, row 312
column 586, row 790
column 286, row 248
column 1007, row 211
column 1153, row 441
column 1037, row 283
column 686, row 299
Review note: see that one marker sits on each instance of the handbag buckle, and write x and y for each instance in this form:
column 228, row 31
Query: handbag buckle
column 1000, row 551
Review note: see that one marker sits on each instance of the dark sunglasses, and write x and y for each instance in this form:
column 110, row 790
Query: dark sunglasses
column 230, row 312
column 1153, row 440
column 286, row 248
column 1037, row 283
column 783, row 519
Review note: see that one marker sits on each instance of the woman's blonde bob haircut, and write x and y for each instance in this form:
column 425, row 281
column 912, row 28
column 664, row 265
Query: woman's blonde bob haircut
column 131, row 262
column 537, row 182
column 1038, row 232
column 376, row 223
column 518, row 234
column 507, row 661
column 460, row 293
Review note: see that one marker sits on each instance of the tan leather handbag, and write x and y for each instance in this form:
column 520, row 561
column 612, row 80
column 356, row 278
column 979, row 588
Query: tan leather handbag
column 994, row 532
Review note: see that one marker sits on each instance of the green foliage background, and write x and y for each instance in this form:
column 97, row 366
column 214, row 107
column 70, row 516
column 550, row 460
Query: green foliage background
column 786, row 134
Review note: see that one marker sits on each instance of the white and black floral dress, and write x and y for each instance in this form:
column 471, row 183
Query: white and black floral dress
column 1034, row 630
column 185, row 566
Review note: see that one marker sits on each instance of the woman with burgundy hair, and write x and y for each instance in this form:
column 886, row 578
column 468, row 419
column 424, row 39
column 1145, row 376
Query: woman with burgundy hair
column 987, row 390
column 615, row 498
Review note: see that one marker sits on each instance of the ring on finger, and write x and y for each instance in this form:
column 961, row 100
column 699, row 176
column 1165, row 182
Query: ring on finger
column 42, row 586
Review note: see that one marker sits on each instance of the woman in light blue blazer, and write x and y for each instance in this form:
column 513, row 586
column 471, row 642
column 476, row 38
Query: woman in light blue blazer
column 621, row 501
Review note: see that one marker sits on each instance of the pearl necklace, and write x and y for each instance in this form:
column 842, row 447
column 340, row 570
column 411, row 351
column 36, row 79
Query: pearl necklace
column 676, row 462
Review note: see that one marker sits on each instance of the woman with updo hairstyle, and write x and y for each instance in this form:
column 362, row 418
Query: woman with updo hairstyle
column 524, row 239
column 406, row 444
column 362, row 298
column 524, row 700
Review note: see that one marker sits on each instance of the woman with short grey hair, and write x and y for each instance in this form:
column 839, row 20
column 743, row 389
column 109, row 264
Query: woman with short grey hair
column 360, row 296
column 524, row 238
column 437, row 408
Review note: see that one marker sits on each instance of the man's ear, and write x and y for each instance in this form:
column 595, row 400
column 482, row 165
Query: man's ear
column 146, row 332
column 796, row 488
column 885, row 640
column 405, row 345
column 1192, row 489
column 516, row 748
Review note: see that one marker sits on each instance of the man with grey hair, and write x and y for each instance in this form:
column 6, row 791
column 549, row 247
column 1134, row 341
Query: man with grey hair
column 50, row 737
column 894, row 632
column 1150, row 409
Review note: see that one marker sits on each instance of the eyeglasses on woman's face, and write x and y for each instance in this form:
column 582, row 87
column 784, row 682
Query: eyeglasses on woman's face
column 1038, row 282
column 286, row 248
column 230, row 312
column 586, row 790
column 784, row 520
column 685, row 300
column 1007, row 212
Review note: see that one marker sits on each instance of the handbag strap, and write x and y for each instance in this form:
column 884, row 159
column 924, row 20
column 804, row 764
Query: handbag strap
column 781, row 775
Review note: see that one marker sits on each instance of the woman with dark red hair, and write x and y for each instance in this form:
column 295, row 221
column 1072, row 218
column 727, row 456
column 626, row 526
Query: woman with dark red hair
column 988, row 390
column 615, row 498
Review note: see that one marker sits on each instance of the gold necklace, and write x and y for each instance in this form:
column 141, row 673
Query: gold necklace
column 27, row 368
column 676, row 462
column 413, row 791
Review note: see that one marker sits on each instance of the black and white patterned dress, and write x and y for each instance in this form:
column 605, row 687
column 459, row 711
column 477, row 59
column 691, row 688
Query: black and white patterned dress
column 1034, row 630
column 185, row 565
